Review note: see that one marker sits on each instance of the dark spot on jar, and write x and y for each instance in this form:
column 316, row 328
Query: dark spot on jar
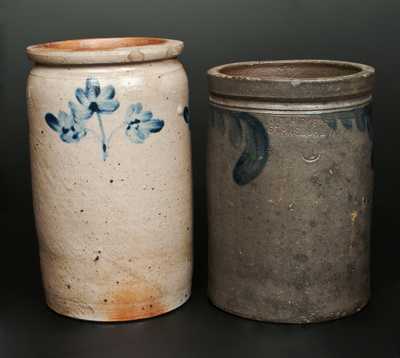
column 301, row 258
column 96, row 258
column 111, row 181
column 105, row 300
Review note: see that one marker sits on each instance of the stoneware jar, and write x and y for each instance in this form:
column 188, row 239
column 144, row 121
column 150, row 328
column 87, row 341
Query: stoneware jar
column 111, row 176
column 290, row 189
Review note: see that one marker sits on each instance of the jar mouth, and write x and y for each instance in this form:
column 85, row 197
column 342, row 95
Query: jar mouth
column 104, row 50
column 291, row 70
column 292, row 80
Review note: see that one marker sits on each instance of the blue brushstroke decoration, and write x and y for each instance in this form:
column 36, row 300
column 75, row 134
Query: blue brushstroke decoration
column 347, row 122
column 68, row 128
column 96, row 101
column 186, row 115
column 255, row 154
column 360, row 116
column 360, row 121
column 140, row 124
column 244, row 128
column 331, row 122
column 236, row 132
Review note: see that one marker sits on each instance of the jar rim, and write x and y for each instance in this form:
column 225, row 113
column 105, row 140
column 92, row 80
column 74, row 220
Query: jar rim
column 292, row 80
column 108, row 50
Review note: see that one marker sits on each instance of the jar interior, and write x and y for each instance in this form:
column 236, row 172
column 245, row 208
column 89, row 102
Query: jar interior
column 290, row 70
column 100, row 44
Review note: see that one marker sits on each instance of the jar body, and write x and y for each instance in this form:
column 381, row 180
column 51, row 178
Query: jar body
column 289, row 212
column 111, row 177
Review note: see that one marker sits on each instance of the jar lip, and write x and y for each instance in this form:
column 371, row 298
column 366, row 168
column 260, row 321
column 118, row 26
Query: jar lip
column 292, row 80
column 111, row 50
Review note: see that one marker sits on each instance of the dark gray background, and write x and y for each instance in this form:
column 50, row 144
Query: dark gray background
column 214, row 32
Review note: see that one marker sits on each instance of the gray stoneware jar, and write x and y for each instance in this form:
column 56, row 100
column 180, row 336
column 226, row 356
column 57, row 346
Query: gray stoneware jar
column 290, row 189
column 111, row 176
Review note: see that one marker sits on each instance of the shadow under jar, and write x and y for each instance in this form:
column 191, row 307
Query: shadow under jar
column 111, row 176
column 290, row 189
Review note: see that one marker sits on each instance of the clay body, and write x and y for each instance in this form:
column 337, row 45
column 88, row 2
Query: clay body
column 111, row 176
column 290, row 184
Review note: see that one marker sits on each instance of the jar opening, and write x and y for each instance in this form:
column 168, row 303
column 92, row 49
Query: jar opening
column 290, row 70
column 117, row 50
column 105, row 44
column 298, row 82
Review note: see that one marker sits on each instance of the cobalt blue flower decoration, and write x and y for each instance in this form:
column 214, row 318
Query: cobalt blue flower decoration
column 66, row 126
column 94, row 100
column 140, row 124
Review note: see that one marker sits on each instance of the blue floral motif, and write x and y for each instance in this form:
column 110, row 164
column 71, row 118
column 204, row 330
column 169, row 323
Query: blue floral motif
column 66, row 126
column 94, row 100
column 140, row 124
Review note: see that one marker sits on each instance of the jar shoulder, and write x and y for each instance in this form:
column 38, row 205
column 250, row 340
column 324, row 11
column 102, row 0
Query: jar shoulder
column 171, row 68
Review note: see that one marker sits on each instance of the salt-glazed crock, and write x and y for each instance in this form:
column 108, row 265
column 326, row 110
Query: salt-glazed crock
column 290, row 189
column 111, row 176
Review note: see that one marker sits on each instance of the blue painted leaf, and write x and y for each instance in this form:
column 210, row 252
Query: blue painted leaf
column 81, row 96
column 331, row 122
column 92, row 88
column 347, row 121
column 235, row 132
column 108, row 92
column 366, row 114
column 360, row 120
column 186, row 114
column 255, row 153
column 155, row 125
column 52, row 122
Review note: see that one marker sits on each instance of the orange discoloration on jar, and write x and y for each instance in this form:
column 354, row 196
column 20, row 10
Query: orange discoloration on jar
column 132, row 303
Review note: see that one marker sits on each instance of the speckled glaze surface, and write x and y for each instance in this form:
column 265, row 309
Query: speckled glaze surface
column 111, row 176
column 290, row 184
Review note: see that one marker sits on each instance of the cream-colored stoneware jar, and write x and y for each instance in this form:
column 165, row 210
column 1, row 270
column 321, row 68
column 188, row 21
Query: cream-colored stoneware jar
column 111, row 176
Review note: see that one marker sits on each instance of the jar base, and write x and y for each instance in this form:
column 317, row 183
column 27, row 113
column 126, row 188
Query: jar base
column 109, row 312
column 300, row 320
